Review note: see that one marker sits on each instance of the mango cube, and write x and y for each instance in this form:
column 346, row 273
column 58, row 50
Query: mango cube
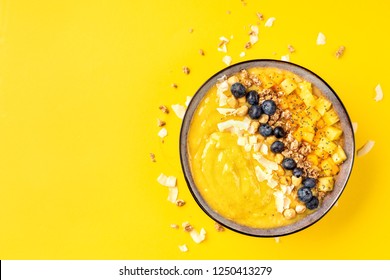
column 276, row 77
column 329, row 167
column 266, row 81
column 307, row 136
column 332, row 133
column 339, row 156
column 313, row 159
column 320, row 124
column 294, row 101
column 306, row 124
column 313, row 114
column 288, row 86
column 322, row 105
column 325, row 184
column 306, row 94
column 320, row 153
column 330, row 117
column 327, row 146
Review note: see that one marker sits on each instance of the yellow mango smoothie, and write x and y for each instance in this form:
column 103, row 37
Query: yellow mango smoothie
column 264, row 147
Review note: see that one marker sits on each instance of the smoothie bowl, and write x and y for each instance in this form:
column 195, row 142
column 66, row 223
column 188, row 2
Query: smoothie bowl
column 266, row 147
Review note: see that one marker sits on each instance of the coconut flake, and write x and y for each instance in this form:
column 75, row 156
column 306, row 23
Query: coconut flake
column 163, row 132
column 183, row 248
column 321, row 39
column 269, row 22
column 227, row 60
column 366, row 148
column 167, row 181
column 253, row 35
column 222, row 45
column 188, row 100
column 264, row 176
column 248, row 147
column 277, row 239
column 198, row 237
column 224, row 39
column 253, row 39
column 272, row 183
column 171, row 181
column 242, row 141
column 222, row 99
column 269, row 165
column 226, row 111
column 241, row 125
column 379, row 93
column 222, row 86
column 172, row 194
column 255, row 29
column 286, row 203
column 285, row 58
column 222, row 48
column 260, row 174
column 355, row 127
column 179, row 110
column 222, row 79
column 279, row 201
column 242, row 54
column 253, row 139
column 264, row 149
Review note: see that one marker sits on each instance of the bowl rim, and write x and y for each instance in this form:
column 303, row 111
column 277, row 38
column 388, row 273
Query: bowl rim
column 341, row 179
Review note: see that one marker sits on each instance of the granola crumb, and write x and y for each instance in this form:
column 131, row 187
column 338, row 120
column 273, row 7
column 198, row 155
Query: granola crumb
column 191, row 30
column 160, row 123
column 340, row 52
column 219, row 227
column 174, row 85
column 260, row 16
column 187, row 227
column 201, row 52
column 221, row 43
column 186, row 70
column 180, row 203
column 248, row 45
column 174, row 226
column 290, row 48
column 164, row 109
column 152, row 157
column 228, row 12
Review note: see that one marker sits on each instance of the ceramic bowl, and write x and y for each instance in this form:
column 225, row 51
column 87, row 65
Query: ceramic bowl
column 341, row 179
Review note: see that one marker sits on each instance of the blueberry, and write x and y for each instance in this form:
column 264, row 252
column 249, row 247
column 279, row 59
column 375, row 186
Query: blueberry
column 289, row 164
column 277, row 147
column 252, row 97
column 265, row 130
column 254, row 112
column 312, row 203
column 298, row 172
column 309, row 182
column 305, row 195
column 279, row 132
column 269, row 107
column 238, row 90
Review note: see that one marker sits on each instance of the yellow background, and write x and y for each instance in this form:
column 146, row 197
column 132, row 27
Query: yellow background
column 80, row 86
